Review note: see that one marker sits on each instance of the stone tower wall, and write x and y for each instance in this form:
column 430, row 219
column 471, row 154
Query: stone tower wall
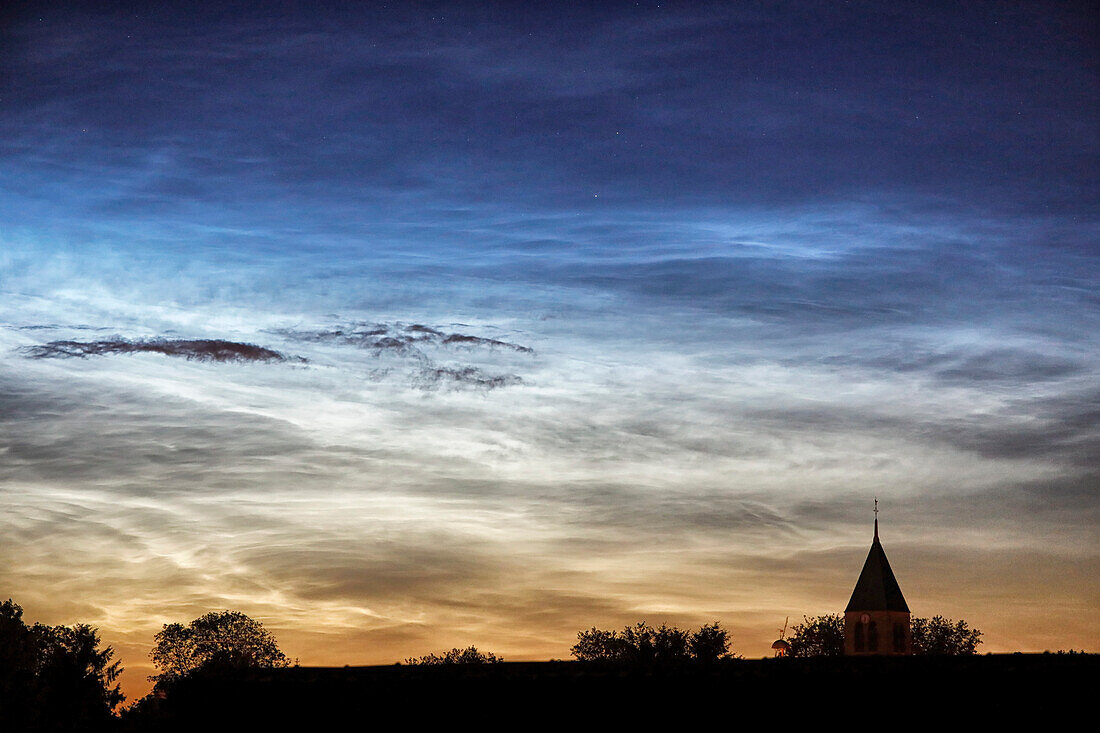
column 884, row 626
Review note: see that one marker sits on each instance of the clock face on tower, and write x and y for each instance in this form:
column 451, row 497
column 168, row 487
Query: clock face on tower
column 865, row 618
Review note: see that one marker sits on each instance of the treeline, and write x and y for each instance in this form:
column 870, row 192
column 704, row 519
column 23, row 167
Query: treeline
column 58, row 677
column 643, row 644
column 823, row 636
column 816, row 636
column 469, row 655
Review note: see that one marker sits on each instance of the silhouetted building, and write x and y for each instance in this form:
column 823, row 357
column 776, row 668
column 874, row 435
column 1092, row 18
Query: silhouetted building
column 876, row 621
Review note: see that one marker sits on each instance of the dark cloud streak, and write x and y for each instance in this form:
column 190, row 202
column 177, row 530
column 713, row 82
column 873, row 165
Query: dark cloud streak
column 399, row 337
column 430, row 378
column 211, row 350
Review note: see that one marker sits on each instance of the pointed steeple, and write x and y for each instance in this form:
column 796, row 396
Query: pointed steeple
column 877, row 589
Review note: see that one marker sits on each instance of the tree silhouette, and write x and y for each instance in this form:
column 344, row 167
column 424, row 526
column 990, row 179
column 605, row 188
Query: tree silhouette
column 710, row 643
column 598, row 645
column 217, row 640
column 939, row 635
column 54, row 677
column 469, row 655
column 818, row 636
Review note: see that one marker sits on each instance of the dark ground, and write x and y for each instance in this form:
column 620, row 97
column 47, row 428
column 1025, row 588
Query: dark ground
column 882, row 692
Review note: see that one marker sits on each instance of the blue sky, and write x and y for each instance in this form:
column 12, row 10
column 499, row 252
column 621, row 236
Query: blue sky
column 764, row 263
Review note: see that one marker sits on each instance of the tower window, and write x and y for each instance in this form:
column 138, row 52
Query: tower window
column 899, row 637
column 872, row 637
column 859, row 636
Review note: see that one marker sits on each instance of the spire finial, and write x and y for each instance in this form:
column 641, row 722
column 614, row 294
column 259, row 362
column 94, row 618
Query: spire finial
column 876, row 517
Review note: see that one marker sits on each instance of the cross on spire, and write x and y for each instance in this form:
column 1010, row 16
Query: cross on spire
column 876, row 517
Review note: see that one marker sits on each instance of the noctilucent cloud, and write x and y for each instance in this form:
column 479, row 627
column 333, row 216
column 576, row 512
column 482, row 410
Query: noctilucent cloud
column 407, row 327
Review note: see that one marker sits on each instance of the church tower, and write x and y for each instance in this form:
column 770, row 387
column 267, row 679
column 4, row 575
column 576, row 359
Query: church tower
column 876, row 621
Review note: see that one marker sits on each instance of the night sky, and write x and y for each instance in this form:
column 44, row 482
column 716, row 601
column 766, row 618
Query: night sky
column 569, row 316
